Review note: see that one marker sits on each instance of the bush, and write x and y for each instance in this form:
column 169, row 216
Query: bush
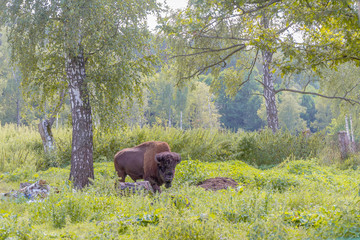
column 261, row 149
column 267, row 149
column 189, row 171
column 203, row 144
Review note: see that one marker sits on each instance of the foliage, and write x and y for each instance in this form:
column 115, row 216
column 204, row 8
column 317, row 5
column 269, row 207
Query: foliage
column 290, row 112
column 260, row 149
column 190, row 172
column 179, row 105
column 266, row 148
column 323, row 115
column 297, row 199
column 52, row 32
column 240, row 110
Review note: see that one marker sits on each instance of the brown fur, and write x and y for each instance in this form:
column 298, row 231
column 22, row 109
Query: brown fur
column 144, row 162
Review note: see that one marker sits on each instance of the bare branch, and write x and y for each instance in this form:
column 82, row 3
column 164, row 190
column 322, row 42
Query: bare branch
column 252, row 68
column 222, row 60
column 269, row 3
column 209, row 50
column 225, row 38
column 349, row 100
column 57, row 108
column 243, row 12
column 285, row 28
column 308, row 82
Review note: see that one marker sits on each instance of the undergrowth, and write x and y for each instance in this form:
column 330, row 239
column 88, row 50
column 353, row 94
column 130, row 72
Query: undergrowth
column 296, row 200
column 261, row 149
column 300, row 197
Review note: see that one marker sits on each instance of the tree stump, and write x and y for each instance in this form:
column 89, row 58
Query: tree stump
column 46, row 135
column 344, row 144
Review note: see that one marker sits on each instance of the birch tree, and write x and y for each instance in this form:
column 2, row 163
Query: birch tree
column 208, row 35
column 96, row 50
column 287, row 35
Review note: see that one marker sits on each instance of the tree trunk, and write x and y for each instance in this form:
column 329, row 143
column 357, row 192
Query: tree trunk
column 344, row 144
column 268, row 83
column 181, row 120
column 82, row 137
column 353, row 145
column 46, row 134
column 347, row 127
column 269, row 93
column 169, row 117
column 18, row 118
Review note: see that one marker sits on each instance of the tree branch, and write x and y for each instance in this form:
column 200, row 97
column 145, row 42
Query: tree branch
column 225, row 38
column 251, row 68
column 349, row 100
column 201, row 70
column 57, row 108
column 208, row 50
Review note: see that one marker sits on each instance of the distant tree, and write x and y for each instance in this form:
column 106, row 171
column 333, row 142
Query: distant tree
column 95, row 50
column 161, row 98
column 200, row 108
column 290, row 112
column 240, row 111
column 323, row 114
column 310, row 110
column 291, row 35
column 189, row 105
column 10, row 94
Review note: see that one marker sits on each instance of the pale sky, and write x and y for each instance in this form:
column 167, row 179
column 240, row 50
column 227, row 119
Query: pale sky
column 175, row 4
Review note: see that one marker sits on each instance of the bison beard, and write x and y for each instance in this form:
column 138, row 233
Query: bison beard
column 151, row 161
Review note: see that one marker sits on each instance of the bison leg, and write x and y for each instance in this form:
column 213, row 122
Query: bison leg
column 122, row 175
column 154, row 185
column 156, row 188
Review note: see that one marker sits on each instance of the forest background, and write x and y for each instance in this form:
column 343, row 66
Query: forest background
column 197, row 104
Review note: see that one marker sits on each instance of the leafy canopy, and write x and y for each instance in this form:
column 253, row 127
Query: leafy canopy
column 112, row 35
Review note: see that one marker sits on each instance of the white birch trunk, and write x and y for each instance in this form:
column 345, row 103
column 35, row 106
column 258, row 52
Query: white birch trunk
column 181, row 120
column 82, row 136
column 347, row 127
column 46, row 135
column 353, row 145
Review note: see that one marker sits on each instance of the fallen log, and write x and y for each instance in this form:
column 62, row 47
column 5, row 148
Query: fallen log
column 126, row 188
column 32, row 191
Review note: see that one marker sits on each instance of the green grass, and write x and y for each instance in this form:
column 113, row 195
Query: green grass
column 297, row 199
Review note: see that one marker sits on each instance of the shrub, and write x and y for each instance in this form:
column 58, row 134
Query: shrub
column 267, row 149
column 189, row 171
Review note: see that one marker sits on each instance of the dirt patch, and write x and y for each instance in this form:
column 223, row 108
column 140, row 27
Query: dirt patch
column 217, row 183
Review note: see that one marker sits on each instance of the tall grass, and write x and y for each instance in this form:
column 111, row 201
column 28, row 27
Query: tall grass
column 18, row 147
column 296, row 199
column 23, row 146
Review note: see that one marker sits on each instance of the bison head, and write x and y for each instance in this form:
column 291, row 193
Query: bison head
column 166, row 162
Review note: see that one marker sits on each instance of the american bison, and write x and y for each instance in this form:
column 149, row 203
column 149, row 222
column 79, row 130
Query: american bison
column 151, row 161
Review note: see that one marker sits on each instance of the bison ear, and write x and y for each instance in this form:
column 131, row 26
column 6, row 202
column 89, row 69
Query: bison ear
column 158, row 159
column 177, row 157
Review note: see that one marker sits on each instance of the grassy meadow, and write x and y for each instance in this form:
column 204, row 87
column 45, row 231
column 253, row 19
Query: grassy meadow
column 290, row 187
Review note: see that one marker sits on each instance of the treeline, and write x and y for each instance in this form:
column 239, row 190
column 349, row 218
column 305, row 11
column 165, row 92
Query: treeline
column 203, row 102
